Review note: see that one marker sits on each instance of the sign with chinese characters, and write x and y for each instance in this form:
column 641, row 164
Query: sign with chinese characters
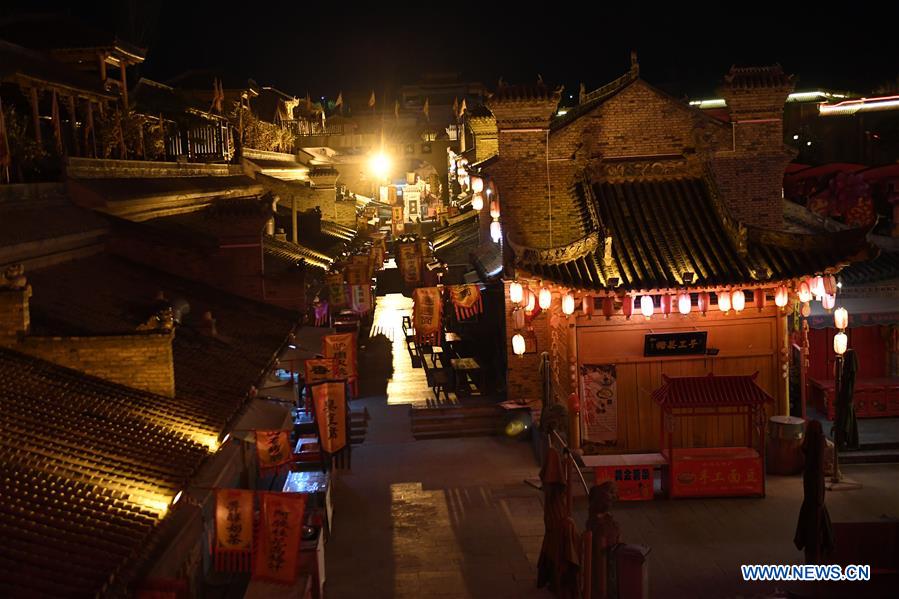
column 330, row 412
column 634, row 483
column 675, row 344
column 273, row 450
column 412, row 202
column 409, row 262
column 397, row 220
column 361, row 297
column 716, row 477
column 320, row 369
column 336, row 290
column 280, row 532
column 233, row 530
column 467, row 301
column 426, row 315
column 341, row 347
column 599, row 403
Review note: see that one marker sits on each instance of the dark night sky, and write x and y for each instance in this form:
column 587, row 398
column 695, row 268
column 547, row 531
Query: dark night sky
column 336, row 46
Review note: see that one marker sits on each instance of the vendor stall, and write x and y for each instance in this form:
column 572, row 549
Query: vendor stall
column 735, row 470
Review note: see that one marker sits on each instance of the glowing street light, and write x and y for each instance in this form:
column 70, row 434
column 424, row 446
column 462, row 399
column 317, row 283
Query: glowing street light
column 379, row 166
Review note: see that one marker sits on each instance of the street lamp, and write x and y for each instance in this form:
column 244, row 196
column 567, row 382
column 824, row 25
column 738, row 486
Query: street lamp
column 840, row 343
column 379, row 166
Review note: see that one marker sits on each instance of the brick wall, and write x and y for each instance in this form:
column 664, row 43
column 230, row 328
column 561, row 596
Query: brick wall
column 15, row 317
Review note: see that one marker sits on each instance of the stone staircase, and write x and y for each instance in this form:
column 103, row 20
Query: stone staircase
column 471, row 418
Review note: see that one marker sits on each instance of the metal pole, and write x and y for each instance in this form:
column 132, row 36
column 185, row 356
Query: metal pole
column 570, row 455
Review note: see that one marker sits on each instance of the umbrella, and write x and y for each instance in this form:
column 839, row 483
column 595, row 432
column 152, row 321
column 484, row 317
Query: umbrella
column 813, row 531
column 559, row 556
column 846, row 425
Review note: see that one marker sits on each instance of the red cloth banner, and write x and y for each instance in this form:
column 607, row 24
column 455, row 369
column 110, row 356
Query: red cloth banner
column 426, row 311
column 320, row 369
column 634, row 483
column 361, row 295
column 409, row 262
column 467, row 301
column 233, row 530
column 336, row 290
column 273, row 451
column 357, row 272
column 397, row 221
column 330, row 413
column 280, row 533
column 341, row 347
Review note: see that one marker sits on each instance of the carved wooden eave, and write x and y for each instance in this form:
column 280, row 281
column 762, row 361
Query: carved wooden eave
column 556, row 255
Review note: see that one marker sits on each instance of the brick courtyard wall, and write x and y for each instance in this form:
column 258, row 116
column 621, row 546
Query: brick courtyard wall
column 15, row 317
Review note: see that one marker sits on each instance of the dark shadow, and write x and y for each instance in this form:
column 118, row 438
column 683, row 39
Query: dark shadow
column 375, row 366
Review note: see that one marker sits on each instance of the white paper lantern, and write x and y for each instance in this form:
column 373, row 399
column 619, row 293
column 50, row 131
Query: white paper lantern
column 738, row 300
column 841, row 318
column 518, row 344
column 840, row 343
column 828, row 301
column 530, row 301
column 817, row 286
column 724, row 301
column 516, row 292
column 684, row 303
column 805, row 292
column 496, row 231
column 477, row 202
column 546, row 298
column 781, row 296
column 646, row 306
column 477, row 184
column 518, row 318
column 568, row 304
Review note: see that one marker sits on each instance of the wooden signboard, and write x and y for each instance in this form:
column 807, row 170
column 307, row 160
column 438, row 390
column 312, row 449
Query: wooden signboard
column 675, row 344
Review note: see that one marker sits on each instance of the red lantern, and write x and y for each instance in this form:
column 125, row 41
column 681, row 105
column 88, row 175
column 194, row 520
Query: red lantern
column 627, row 306
column 830, row 285
column 494, row 209
column 703, row 301
column 759, row 298
column 608, row 307
column 666, row 302
column 587, row 306
column 781, row 296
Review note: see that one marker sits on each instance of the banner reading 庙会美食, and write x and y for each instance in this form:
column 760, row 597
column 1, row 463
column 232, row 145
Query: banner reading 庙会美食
column 599, row 403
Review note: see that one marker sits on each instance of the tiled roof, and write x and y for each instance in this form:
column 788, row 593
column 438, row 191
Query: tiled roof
column 455, row 243
column 292, row 252
column 595, row 98
column 87, row 468
column 525, row 93
column 882, row 268
column 17, row 62
column 338, row 231
column 106, row 294
column 757, row 77
column 662, row 229
column 21, row 223
column 710, row 391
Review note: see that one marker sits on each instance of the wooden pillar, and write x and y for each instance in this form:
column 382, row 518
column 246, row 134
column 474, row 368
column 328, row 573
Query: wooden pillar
column 57, row 128
column 782, row 378
column 36, row 115
column 124, row 79
column 293, row 217
column 102, row 58
column 73, row 116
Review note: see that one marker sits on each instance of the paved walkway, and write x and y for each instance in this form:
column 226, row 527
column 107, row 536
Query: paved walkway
column 452, row 518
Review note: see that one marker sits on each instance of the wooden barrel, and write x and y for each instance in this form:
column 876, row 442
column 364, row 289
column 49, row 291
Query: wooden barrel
column 784, row 449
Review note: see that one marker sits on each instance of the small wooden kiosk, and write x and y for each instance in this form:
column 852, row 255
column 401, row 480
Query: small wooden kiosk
column 714, row 471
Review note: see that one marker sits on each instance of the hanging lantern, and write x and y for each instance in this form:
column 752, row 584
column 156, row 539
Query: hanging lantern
column 841, row 318
column 817, row 286
column 805, row 292
column 568, row 304
column 530, row 301
column 703, row 301
column 608, row 307
column 830, row 285
column 518, row 344
column 518, row 318
column 806, row 309
column 781, row 296
column 516, row 292
column 828, row 301
column 724, row 301
column 546, row 298
column 646, row 306
column 684, row 303
column 840, row 343
column 494, row 209
column 477, row 202
column 627, row 306
column 587, row 306
column 496, row 231
column 665, row 304
column 477, row 184
column 759, row 298
column 738, row 300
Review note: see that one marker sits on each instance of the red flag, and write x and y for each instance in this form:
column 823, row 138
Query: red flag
column 280, row 533
column 233, row 529
column 330, row 412
column 320, row 369
column 426, row 311
column 341, row 347
column 466, row 300
column 273, row 450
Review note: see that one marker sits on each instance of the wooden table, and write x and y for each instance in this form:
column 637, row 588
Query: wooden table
column 452, row 338
column 463, row 368
column 436, row 354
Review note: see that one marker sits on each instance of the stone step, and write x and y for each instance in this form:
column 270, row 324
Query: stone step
column 444, row 434
column 882, row 456
column 456, row 424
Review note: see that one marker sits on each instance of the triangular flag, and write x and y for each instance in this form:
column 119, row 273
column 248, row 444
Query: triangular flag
column 339, row 101
column 427, row 109
column 462, row 108
column 371, row 100
column 396, row 109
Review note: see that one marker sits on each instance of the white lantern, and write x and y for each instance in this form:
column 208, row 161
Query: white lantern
column 805, row 292
column 477, row 184
column 738, row 300
column 531, row 302
column 684, row 303
column 546, row 298
column 516, row 292
column 518, row 318
column 840, row 342
column 477, row 202
column 724, row 301
column 817, row 286
column 496, row 231
column 781, row 296
column 828, row 301
column 494, row 209
column 646, row 306
column 841, row 318
column 518, row 344
column 568, row 304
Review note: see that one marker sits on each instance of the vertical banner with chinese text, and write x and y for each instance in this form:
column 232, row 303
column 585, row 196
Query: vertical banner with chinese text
column 233, row 530
column 361, row 297
column 320, row 369
column 273, row 451
column 330, row 412
column 466, row 300
column 599, row 403
column 341, row 347
column 397, row 221
column 409, row 262
column 280, row 533
column 426, row 312
column 336, row 290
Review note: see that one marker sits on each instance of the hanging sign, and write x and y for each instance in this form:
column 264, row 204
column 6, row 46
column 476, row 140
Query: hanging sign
column 599, row 403
column 397, row 220
column 280, row 532
column 330, row 413
column 632, row 483
column 357, row 273
column 410, row 262
column 336, row 290
column 426, row 312
column 320, row 369
column 233, row 530
column 412, row 202
column 341, row 347
column 467, row 301
column 675, row 344
column 273, row 451
column 361, row 297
